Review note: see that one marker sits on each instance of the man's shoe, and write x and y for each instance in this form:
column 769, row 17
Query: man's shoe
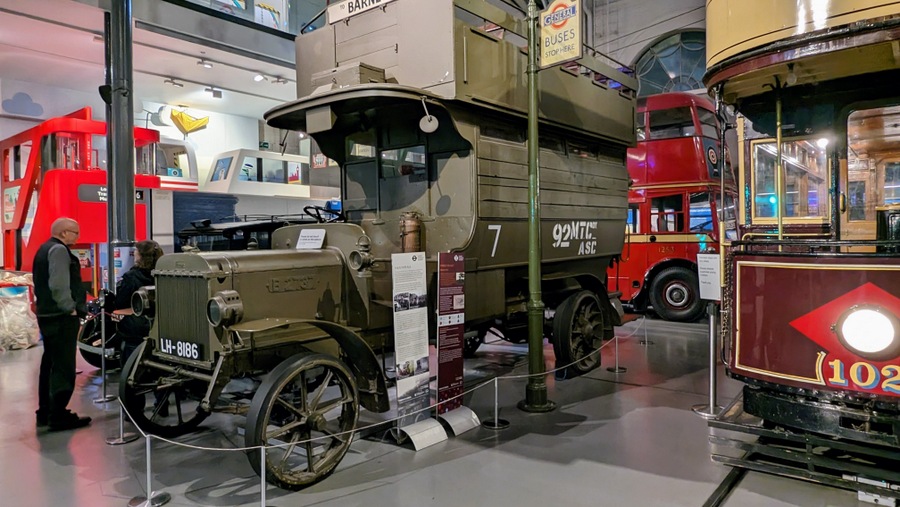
column 41, row 418
column 69, row 421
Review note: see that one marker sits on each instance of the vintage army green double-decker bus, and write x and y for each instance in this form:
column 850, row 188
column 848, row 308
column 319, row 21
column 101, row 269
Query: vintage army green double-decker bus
column 423, row 106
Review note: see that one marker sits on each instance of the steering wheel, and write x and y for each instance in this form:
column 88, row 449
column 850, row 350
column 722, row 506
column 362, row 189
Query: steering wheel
column 318, row 211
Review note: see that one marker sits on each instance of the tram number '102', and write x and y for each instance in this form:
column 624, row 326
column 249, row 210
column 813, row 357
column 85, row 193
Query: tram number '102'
column 581, row 231
column 865, row 376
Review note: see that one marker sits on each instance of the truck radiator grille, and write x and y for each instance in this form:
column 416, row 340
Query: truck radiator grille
column 181, row 308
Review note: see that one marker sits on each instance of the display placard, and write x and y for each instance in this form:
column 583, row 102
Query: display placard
column 311, row 239
column 450, row 329
column 411, row 336
column 710, row 277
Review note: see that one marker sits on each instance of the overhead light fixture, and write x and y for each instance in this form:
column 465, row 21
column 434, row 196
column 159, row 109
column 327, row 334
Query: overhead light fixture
column 216, row 93
column 174, row 83
column 203, row 62
column 280, row 80
column 259, row 77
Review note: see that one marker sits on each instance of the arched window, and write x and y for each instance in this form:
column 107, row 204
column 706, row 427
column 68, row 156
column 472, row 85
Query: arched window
column 674, row 63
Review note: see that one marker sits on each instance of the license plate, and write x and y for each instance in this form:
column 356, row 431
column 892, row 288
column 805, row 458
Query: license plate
column 179, row 348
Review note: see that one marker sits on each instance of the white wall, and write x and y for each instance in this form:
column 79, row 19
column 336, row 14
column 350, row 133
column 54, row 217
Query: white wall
column 623, row 29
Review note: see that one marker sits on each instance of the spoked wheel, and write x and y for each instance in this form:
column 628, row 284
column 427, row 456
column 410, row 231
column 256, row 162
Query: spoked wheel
column 307, row 430
column 159, row 404
column 675, row 295
column 578, row 331
column 90, row 343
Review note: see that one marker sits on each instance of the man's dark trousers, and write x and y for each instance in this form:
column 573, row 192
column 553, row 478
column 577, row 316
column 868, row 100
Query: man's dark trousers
column 57, row 377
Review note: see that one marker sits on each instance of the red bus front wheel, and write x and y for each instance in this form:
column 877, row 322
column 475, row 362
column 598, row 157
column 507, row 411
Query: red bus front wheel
column 675, row 295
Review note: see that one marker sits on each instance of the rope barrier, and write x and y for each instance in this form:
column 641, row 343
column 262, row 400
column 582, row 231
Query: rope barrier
column 378, row 424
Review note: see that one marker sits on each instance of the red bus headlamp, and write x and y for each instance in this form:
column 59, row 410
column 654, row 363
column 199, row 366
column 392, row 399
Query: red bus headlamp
column 225, row 308
column 869, row 331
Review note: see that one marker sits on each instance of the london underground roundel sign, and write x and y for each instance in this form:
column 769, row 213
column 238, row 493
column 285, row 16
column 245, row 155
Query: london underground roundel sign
column 561, row 32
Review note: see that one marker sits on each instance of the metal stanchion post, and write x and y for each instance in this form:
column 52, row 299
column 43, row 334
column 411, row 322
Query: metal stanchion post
column 496, row 423
column 617, row 368
column 123, row 437
column 711, row 409
column 151, row 500
column 104, row 398
column 645, row 341
column 262, row 475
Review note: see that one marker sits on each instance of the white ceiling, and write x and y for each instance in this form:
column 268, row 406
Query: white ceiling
column 56, row 43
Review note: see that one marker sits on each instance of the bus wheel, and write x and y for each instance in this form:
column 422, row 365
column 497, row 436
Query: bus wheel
column 675, row 295
column 578, row 332
column 306, row 430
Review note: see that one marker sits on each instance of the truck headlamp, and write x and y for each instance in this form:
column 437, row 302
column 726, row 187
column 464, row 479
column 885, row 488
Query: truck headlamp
column 225, row 308
column 869, row 331
column 142, row 301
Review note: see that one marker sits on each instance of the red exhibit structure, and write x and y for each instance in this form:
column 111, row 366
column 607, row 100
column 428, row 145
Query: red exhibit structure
column 672, row 204
column 57, row 168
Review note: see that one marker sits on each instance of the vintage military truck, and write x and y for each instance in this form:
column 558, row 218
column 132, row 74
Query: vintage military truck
column 431, row 145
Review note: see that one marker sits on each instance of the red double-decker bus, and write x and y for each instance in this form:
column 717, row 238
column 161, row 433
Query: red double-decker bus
column 58, row 168
column 672, row 204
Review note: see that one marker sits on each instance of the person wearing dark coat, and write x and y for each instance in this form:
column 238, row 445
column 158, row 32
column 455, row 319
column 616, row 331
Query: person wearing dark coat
column 60, row 300
column 132, row 329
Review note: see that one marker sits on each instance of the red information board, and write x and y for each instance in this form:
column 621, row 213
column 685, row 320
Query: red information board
column 451, row 327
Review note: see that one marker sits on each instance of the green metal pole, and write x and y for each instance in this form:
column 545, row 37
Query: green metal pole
column 536, row 389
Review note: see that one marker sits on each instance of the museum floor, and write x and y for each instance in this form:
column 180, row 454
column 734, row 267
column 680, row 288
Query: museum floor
column 614, row 440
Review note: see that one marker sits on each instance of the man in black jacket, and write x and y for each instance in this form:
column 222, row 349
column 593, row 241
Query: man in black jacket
column 60, row 300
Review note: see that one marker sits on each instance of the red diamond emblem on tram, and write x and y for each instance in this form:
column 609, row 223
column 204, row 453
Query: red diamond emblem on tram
column 816, row 325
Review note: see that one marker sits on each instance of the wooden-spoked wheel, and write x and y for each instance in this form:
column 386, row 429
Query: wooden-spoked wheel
column 159, row 404
column 304, row 413
column 578, row 332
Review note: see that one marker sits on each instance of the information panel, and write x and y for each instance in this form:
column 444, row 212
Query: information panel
column 411, row 336
column 450, row 330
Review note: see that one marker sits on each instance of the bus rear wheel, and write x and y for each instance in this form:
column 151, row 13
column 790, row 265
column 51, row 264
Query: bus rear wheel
column 675, row 295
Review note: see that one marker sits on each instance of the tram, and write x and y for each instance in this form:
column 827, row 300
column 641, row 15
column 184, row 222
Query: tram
column 812, row 284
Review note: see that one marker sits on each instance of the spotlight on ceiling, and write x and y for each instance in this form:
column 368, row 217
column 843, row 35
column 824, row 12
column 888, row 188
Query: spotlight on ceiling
column 259, row 77
column 173, row 83
column 206, row 64
column 216, row 93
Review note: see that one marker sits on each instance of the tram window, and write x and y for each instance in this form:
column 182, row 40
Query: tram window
column 633, row 221
column 552, row 143
column 873, row 162
column 639, row 127
column 892, row 183
column 701, row 212
column 805, row 180
column 671, row 123
column 709, row 125
column 667, row 213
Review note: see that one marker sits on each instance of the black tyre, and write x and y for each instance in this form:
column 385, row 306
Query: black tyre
column 471, row 344
column 90, row 343
column 159, row 404
column 578, row 332
column 307, row 430
column 675, row 295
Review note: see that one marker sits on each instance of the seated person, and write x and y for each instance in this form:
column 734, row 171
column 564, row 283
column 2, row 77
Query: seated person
column 132, row 329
